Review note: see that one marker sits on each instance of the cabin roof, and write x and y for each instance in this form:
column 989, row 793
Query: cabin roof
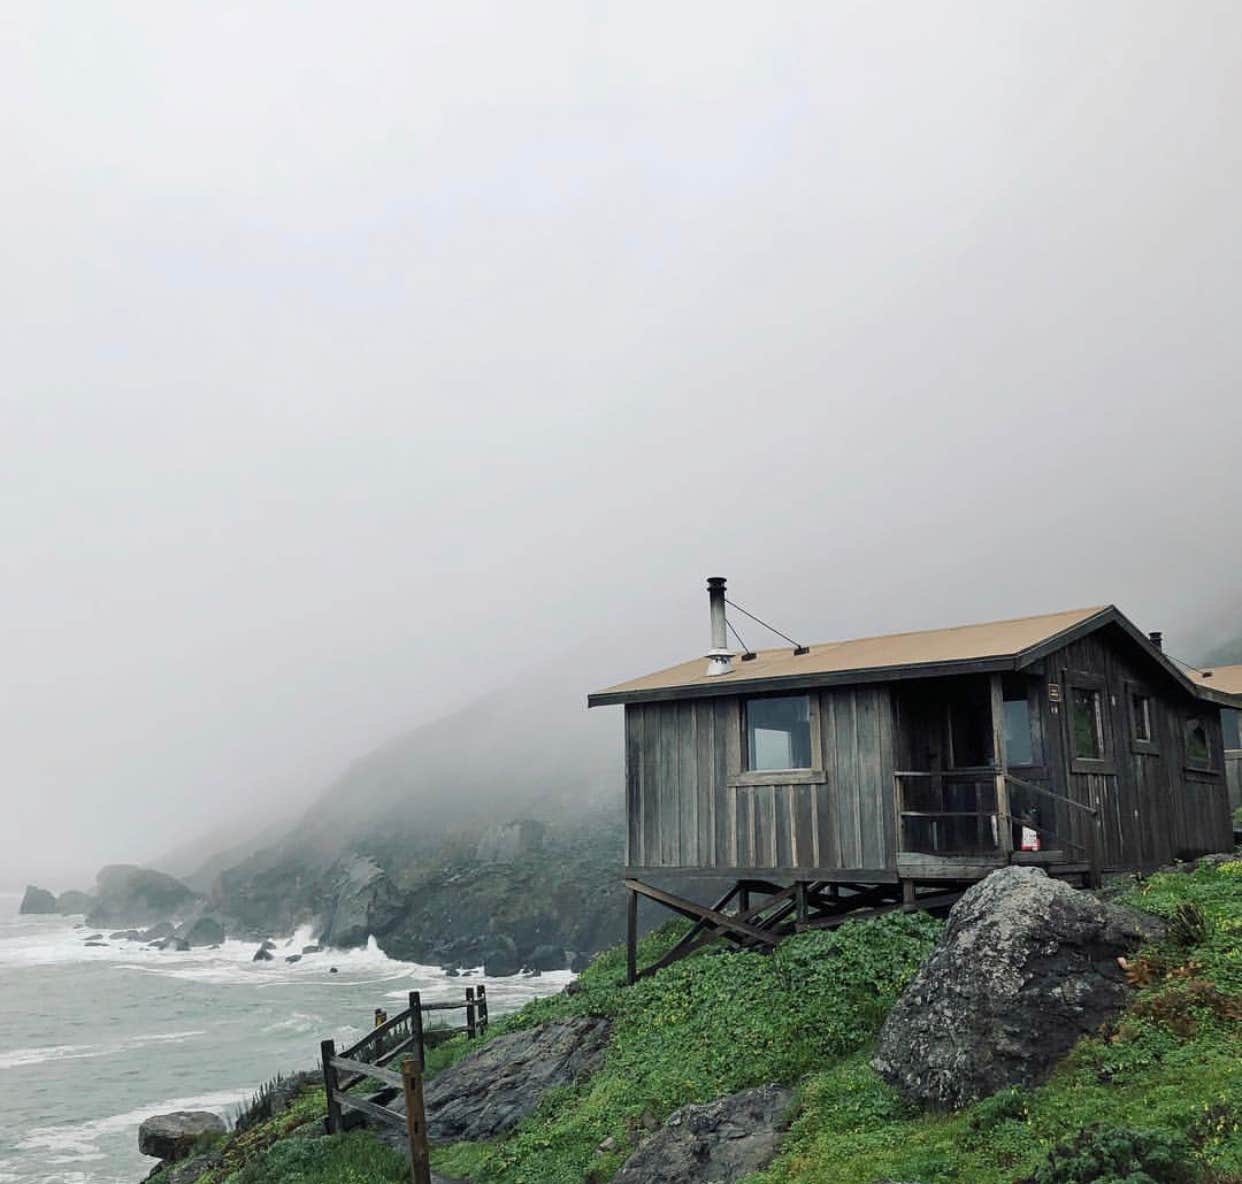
column 1226, row 679
column 962, row 649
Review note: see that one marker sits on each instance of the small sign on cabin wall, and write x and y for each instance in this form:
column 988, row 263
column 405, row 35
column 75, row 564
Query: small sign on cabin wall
column 1054, row 692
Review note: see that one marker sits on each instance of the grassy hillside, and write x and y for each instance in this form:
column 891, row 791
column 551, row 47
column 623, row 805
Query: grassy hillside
column 1156, row 1099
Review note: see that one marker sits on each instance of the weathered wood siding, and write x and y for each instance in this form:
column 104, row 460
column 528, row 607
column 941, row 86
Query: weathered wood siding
column 1154, row 807
column 687, row 809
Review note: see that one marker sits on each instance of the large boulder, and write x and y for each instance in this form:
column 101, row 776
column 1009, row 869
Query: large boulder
column 1026, row 965
column 717, row 1143
column 38, row 901
column 172, row 1136
column 366, row 902
column 130, row 895
column 74, row 903
column 489, row 1092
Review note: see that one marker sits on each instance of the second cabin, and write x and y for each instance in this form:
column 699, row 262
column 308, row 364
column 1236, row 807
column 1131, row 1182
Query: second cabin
column 921, row 759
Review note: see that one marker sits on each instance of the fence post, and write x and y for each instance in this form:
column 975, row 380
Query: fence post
column 327, row 1050
column 483, row 1017
column 416, row 1029
column 416, row 1121
column 470, row 1024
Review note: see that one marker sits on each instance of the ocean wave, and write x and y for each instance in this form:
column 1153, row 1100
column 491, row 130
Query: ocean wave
column 299, row 1022
column 73, row 1142
column 19, row 1057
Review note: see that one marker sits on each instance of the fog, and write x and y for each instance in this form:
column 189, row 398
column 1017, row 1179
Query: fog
column 357, row 360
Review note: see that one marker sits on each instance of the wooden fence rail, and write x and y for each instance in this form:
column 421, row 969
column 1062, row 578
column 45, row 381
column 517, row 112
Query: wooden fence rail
column 403, row 1035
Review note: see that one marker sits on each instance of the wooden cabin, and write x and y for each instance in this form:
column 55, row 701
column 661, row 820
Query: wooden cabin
column 828, row 778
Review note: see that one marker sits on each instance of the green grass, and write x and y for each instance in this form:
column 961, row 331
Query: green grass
column 1172, row 1066
column 355, row 1158
column 1154, row 1099
column 704, row 1027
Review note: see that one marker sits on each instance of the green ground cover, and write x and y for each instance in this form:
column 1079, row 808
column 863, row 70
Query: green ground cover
column 1155, row 1099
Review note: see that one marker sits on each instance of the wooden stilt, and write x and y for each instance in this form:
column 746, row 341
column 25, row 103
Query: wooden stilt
column 631, row 936
column 908, row 897
column 800, row 905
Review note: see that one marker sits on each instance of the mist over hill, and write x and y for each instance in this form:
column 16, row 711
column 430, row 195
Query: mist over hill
column 488, row 833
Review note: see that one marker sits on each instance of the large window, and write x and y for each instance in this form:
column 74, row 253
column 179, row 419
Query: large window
column 1231, row 723
column 1087, row 723
column 778, row 733
column 1020, row 747
column 1198, row 744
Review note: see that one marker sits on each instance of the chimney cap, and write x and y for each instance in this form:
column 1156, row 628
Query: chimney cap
column 1156, row 637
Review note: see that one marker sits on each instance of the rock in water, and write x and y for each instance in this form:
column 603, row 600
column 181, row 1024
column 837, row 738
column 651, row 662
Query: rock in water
column 129, row 895
column 262, row 954
column 718, row 1143
column 492, row 1090
column 73, row 903
column 37, row 900
column 1025, row 966
column 172, row 1136
column 206, row 931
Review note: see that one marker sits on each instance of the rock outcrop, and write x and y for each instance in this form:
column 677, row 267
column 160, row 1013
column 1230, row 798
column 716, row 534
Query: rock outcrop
column 716, row 1143
column 74, row 903
column 37, row 901
column 367, row 902
column 172, row 1136
column 1026, row 966
column 137, row 896
column 491, row 1091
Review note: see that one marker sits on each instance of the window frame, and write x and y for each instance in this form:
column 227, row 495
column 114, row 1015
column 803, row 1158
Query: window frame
column 1237, row 712
column 1035, row 721
column 814, row 775
column 1151, row 745
column 1106, row 762
column 1210, row 765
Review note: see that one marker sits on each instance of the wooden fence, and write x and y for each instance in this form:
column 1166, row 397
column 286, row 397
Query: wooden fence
column 403, row 1039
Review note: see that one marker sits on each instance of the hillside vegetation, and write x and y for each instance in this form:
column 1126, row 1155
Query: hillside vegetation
column 1155, row 1099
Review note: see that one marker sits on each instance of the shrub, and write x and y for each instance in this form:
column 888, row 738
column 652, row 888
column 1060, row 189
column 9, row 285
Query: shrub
column 1118, row 1156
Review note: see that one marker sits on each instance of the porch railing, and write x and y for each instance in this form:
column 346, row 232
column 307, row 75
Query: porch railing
column 959, row 813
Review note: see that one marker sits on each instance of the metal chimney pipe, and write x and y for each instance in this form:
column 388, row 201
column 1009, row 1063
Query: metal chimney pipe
column 1156, row 638
column 716, row 601
column 719, row 657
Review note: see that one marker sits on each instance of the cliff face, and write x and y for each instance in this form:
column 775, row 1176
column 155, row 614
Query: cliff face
column 511, row 896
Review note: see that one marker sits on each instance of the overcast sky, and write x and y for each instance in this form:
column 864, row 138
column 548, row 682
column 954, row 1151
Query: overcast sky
column 357, row 357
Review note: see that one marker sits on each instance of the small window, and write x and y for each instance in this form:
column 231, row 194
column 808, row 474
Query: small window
column 1087, row 721
column 1198, row 746
column 1231, row 724
column 1140, row 715
column 778, row 733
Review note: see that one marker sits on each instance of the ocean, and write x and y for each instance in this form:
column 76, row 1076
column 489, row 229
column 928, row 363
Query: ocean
column 95, row 1039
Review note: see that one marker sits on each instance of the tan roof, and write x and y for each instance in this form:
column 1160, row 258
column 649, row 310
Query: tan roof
column 1227, row 679
column 927, row 647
